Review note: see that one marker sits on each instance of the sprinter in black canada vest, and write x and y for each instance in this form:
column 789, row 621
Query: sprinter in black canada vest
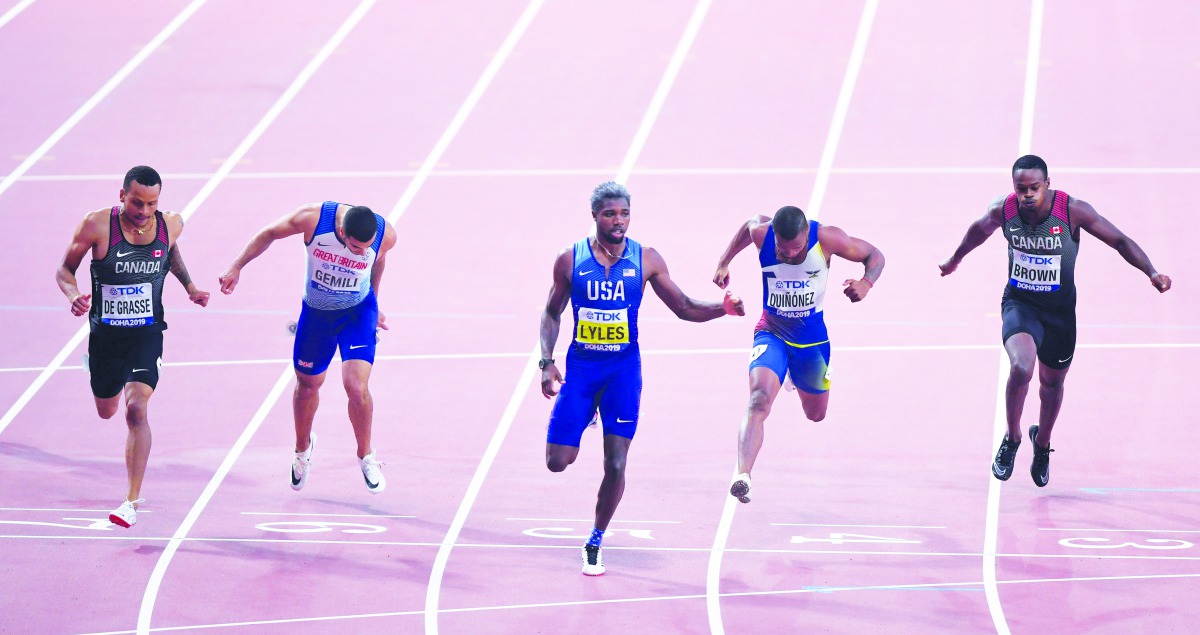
column 133, row 246
column 1041, row 227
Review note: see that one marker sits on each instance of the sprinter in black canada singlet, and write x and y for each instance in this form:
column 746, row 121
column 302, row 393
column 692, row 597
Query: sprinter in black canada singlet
column 1041, row 227
column 133, row 246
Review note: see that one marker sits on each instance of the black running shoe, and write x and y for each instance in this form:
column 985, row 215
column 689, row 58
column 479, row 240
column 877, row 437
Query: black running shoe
column 1040, row 469
column 1002, row 467
column 593, row 562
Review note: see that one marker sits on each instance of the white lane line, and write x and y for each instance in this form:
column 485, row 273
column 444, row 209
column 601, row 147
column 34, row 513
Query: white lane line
column 49, row 509
column 164, row 560
column 914, row 348
column 665, row 598
column 856, row 526
column 323, row 515
column 992, row 519
column 588, row 520
column 42, row 378
column 820, row 183
column 433, row 591
column 464, row 111
column 434, row 588
column 1150, row 531
column 974, row 555
column 1032, row 60
column 664, row 88
column 14, row 11
column 101, row 94
column 1000, row 421
column 449, row 541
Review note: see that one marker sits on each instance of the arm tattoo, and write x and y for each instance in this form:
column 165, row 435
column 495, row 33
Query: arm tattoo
column 175, row 259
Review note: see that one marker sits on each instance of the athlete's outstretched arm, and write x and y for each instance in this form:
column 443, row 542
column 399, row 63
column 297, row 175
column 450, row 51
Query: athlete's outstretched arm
column 741, row 240
column 175, row 260
column 560, row 294
column 976, row 234
column 692, row 310
column 297, row 222
column 1095, row 224
column 841, row 244
column 85, row 237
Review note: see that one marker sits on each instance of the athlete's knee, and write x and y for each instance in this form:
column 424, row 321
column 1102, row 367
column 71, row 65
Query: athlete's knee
column 614, row 467
column 760, row 402
column 556, row 463
column 107, row 409
column 135, row 412
column 307, row 388
column 1020, row 371
column 1053, row 382
column 357, row 391
column 817, row 414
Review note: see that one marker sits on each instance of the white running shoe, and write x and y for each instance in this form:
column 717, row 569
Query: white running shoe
column 126, row 514
column 302, row 463
column 593, row 560
column 372, row 473
column 740, row 489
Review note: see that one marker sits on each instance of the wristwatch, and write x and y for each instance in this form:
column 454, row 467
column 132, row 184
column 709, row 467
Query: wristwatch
column 544, row 362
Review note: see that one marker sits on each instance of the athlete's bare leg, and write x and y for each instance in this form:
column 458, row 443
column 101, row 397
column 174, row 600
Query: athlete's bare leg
column 1051, row 393
column 137, row 443
column 815, row 405
column 559, row 456
column 305, row 400
column 355, row 375
column 764, row 386
column 1022, row 357
column 616, row 449
column 107, row 408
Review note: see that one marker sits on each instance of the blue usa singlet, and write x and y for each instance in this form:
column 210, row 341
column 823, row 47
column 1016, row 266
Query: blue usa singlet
column 605, row 307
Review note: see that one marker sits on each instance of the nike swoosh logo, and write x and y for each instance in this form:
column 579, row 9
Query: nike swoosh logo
column 1063, row 360
column 121, row 254
column 620, row 420
column 358, row 346
column 320, row 244
column 584, row 273
column 140, row 370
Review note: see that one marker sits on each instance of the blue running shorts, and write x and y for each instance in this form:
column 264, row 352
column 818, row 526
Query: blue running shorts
column 615, row 385
column 319, row 332
column 808, row 365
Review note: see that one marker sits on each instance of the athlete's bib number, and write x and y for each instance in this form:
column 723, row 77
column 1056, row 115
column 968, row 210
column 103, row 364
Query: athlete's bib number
column 127, row 304
column 336, row 279
column 1034, row 272
column 602, row 330
column 792, row 298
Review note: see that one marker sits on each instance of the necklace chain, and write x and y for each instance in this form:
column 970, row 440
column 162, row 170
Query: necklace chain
column 601, row 245
column 139, row 232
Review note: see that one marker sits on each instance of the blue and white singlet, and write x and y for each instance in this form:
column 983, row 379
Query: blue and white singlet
column 336, row 277
column 794, row 295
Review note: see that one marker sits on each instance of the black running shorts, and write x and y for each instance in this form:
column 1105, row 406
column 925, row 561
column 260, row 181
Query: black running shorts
column 117, row 359
column 1053, row 330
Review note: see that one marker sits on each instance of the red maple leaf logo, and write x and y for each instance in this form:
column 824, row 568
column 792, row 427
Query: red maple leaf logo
column 1056, row 230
